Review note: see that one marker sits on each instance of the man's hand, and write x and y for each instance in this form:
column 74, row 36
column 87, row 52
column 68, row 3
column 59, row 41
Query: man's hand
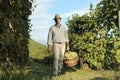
column 67, row 48
column 49, row 48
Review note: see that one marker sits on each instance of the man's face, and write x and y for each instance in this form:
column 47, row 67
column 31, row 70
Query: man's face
column 57, row 21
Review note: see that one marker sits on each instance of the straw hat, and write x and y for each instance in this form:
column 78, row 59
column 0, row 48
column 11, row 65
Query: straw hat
column 57, row 16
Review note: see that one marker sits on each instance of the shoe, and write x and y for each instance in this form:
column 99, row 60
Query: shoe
column 59, row 73
column 55, row 74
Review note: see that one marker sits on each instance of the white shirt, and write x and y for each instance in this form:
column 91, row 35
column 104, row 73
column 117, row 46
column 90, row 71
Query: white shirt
column 57, row 34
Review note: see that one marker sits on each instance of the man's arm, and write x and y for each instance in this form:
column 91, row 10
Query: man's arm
column 49, row 40
column 67, row 41
column 67, row 46
column 49, row 48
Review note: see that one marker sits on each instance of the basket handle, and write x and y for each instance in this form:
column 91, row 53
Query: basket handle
column 68, row 52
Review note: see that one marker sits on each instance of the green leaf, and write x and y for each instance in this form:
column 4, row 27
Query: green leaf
column 115, row 16
column 117, row 56
column 19, row 3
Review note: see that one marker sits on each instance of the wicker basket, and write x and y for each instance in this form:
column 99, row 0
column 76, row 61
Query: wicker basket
column 71, row 62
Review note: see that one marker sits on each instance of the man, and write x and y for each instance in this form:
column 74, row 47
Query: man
column 59, row 38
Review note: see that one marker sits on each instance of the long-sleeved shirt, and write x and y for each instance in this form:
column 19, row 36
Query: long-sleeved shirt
column 57, row 34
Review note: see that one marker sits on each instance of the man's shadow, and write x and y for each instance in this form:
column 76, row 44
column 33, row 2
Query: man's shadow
column 48, row 61
column 38, row 70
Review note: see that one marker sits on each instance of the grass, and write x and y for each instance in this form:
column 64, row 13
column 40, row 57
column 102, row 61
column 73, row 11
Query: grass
column 35, row 70
column 44, row 72
column 7, row 73
column 85, row 75
column 37, row 50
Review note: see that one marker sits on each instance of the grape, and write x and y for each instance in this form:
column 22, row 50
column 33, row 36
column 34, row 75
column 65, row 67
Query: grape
column 70, row 55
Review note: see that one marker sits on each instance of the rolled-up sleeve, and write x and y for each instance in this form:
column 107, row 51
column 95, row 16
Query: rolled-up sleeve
column 66, row 36
column 49, row 39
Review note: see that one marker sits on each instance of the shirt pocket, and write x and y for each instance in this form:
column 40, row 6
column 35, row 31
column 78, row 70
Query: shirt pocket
column 55, row 36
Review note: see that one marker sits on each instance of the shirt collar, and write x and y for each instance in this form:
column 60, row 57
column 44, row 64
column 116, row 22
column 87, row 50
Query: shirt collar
column 57, row 27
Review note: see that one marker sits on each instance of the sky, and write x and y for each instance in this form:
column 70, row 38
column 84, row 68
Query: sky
column 45, row 10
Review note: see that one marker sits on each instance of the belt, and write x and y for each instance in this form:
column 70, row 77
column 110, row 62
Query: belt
column 59, row 42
